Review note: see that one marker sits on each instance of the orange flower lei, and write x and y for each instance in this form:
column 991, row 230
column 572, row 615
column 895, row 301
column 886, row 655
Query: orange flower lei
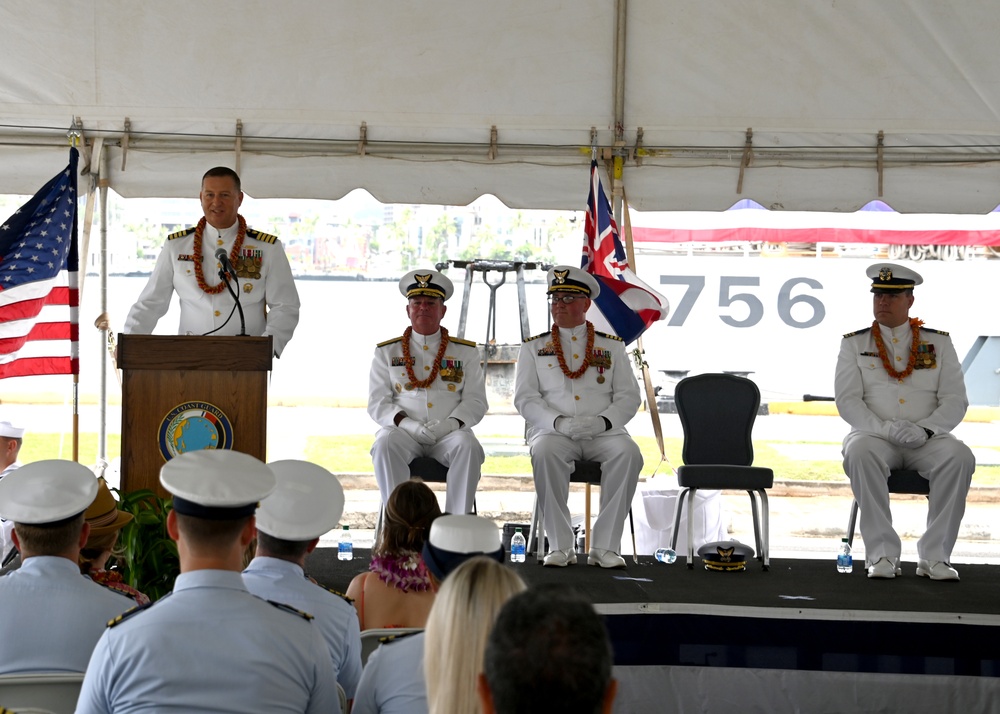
column 915, row 324
column 557, row 343
column 409, row 361
column 199, row 272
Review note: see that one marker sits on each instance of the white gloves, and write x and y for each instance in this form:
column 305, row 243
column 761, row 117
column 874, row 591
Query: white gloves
column 580, row 428
column 907, row 434
column 442, row 428
column 418, row 430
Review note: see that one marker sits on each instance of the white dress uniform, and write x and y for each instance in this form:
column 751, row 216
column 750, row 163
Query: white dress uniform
column 542, row 393
column 282, row 581
column 393, row 679
column 6, row 527
column 459, row 391
column 266, row 287
column 211, row 646
column 52, row 616
column 933, row 397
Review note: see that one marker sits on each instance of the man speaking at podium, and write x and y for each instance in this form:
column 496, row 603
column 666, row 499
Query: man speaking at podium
column 190, row 263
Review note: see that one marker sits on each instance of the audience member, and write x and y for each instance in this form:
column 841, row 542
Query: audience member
column 11, row 438
column 211, row 645
column 393, row 679
column 460, row 622
column 106, row 521
column 548, row 651
column 397, row 592
column 307, row 503
column 51, row 616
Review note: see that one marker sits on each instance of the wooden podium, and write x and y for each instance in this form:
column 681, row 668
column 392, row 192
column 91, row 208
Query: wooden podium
column 181, row 393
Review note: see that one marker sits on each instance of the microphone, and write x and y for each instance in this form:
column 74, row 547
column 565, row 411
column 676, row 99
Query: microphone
column 227, row 266
column 225, row 272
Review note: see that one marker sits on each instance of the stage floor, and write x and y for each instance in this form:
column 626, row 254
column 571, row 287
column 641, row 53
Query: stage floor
column 789, row 585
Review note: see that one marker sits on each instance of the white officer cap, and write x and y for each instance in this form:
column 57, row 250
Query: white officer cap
column 46, row 492
column 567, row 279
column 216, row 484
column 889, row 277
column 455, row 539
column 426, row 282
column 10, row 431
column 307, row 503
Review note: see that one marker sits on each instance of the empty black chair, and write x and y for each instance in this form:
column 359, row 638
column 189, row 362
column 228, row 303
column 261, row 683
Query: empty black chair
column 717, row 412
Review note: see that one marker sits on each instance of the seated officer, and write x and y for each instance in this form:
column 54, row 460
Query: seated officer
column 307, row 503
column 426, row 390
column 900, row 387
column 575, row 388
column 211, row 645
column 51, row 616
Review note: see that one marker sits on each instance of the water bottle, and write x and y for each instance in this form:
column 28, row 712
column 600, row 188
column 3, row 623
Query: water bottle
column 517, row 546
column 665, row 555
column 346, row 547
column 845, row 561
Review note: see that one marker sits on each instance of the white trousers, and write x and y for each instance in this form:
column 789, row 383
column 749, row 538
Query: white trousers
column 552, row 457
column 943, row 460
column 460, row 451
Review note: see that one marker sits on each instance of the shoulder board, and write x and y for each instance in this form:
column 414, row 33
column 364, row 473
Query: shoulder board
column 262, row 237
column 396, row 638
column 543, row 334
column 181, row 234
column 459, row 341
column 127, row 614
column 936, row 332
column 862, row 331
column 610, row 337
column 389, row 342
column 348, row 600
column 290, row 609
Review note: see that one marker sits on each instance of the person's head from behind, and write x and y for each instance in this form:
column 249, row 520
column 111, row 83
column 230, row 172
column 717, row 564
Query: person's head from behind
column 564, row 639
column 46, row 501
column 307, row 502
column 106, row 521
column 459, row 623
column 11, row 438
column 215, row 496
column 409, row 513
column 456, row 539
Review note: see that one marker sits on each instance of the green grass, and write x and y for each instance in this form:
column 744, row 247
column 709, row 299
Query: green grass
column 350, row 454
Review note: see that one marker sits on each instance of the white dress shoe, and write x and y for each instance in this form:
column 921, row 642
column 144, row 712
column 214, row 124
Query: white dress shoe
column 936, row 570
column 560, row 558
column 883, row 568
column 605, row 558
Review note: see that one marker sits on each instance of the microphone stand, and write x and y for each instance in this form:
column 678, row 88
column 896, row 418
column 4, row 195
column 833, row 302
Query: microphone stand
column 224, row 276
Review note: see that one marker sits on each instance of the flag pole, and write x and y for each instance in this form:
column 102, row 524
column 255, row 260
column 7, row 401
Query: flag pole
column 73, row 135
column 586, row 500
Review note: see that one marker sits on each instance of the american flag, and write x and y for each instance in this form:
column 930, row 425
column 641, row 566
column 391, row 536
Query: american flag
column 39, row 282
column 627, row 306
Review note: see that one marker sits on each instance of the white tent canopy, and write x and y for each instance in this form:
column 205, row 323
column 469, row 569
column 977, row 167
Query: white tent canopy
column 285, row 90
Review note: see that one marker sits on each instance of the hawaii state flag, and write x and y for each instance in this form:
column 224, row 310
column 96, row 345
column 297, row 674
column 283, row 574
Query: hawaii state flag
column 39, row 282
column 627, row 306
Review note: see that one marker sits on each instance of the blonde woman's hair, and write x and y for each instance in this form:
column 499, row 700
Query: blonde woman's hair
column 457, row 629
